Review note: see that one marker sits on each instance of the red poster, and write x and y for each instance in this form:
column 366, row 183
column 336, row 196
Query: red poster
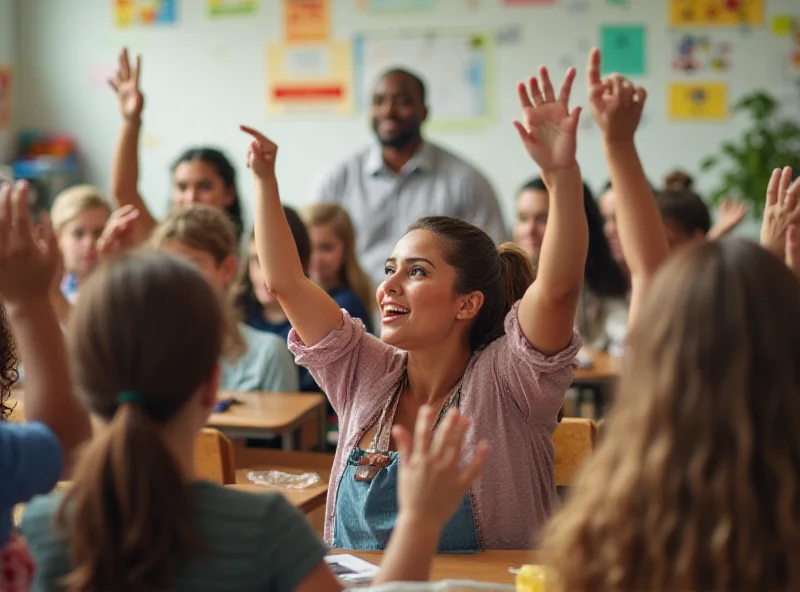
column 5, row 97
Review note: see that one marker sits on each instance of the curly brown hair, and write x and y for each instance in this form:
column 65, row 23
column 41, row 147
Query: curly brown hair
column 696, row 485
column 8, row 364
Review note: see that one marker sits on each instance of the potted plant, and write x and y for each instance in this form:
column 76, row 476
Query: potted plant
column 745, row 164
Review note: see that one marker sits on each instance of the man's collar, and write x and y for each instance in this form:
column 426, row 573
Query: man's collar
column 422, row 160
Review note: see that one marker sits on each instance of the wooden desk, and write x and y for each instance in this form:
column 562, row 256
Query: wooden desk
column 255, row 459
column 266, row 415
column 487, row 566
column 606, row 369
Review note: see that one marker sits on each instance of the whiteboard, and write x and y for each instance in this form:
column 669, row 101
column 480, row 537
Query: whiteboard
column 455, row 66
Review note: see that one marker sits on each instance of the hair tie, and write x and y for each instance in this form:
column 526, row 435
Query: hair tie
column 131, row 397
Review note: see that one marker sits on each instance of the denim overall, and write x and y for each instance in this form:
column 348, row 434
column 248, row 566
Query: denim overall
column 366, row 511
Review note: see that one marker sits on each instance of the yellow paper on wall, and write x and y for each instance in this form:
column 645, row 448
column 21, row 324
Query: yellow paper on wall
column 725, row 13
column 698, row 101
column 782, row 25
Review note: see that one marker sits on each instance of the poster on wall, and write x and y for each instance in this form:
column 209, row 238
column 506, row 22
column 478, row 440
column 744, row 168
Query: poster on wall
column 709, row 13
column 701, row 54
column 130, row 13
column 5, row 97
column 316, row 79
column 457, row 68
column 232, row 7
column 306, row 21
column 700, row 101
column 623, row 49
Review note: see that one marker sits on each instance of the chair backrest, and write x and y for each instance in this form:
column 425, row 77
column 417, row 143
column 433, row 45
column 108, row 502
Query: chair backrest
column 213, row 457
column 574, row 441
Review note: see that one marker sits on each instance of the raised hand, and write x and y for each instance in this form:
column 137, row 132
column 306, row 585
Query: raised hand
column 615, row 102
column 261, row 154
column 126, row 84
column 549, row 128
column 432, row 482
column 731, row 213
column 782, row 209
column 118, row 234
column 29, row 260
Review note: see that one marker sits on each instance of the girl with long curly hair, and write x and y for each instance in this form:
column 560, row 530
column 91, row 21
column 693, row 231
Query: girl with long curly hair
column 696, row 485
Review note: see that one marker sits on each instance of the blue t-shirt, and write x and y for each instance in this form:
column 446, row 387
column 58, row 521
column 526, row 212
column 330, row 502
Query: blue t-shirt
column 267, row 365
column 349, row 300
column 31, row 462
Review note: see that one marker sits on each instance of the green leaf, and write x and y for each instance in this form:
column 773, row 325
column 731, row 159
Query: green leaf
column 709, row 162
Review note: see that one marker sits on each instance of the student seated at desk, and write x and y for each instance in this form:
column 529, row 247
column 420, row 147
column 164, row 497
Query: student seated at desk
column 464, row 327
column 33, row 454
column 200, row 175
column 259, row 307
column 333, row 264
column 696, row 484
column 204, row 235
column 136, row 517
column 605, row 285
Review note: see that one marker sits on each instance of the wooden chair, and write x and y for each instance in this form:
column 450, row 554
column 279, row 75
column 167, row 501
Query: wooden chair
column 574, row 441
column 214, row 458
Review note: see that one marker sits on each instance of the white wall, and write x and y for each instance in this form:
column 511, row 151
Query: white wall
column 7, row 56
column 203, row 77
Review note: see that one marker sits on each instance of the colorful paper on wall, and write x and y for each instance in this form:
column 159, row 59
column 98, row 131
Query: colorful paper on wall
column 623, row 49
column 306, row 21
column 129, row 13
column 698, row 101
column 724, row 13
column 782, row 25
column 392, row 6
column 310, row 79
column 701, row 54
column 457, row 68
column 5, row 97
column 527, row 2
column 232, row 7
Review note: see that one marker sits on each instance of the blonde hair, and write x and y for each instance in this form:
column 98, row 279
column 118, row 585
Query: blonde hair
column 696, row 484
column 147, row 323
column 352, row 276
column 207, row 229
column 72, row 202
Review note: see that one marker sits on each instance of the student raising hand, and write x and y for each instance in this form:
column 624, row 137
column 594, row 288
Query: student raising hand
column 617, row 107
column 548, row 132
column 31, row 454
column 782, row 210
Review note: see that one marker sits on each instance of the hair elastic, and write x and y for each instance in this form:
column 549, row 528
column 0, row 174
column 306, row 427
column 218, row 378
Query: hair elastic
column 131, row 397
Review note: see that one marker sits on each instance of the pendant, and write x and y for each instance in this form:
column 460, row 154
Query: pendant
column 370, row 465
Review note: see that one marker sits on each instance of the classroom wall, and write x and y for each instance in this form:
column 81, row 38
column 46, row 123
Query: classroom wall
column 7, row 57
column 203, row 77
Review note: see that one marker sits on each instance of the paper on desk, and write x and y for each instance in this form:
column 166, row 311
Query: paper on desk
column 352, row 570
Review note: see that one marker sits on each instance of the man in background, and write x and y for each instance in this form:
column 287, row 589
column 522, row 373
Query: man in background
column 389, row 185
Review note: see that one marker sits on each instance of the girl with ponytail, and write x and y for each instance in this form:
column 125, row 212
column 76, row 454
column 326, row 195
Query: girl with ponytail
column 463, row 326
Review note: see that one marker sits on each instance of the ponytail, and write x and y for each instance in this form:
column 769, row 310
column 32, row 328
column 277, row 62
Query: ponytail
column 518, row 272
column 128, row 514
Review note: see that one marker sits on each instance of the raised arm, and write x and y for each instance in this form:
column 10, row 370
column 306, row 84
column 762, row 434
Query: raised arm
column 547, row 311
column 125, row 166
column 310, row 310
column 781, row 210
column 617, row 108
column 27, row 269
column 731, row 214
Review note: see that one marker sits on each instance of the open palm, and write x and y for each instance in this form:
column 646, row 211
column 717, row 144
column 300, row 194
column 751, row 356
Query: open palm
column 126, row 84
column 548, row 131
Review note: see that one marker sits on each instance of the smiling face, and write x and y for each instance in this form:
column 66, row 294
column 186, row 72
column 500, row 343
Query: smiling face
column 418, row 303
column 397, row 110
column 533, row 206
column 198, row 182
column 78, row 240
column 327, row 256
